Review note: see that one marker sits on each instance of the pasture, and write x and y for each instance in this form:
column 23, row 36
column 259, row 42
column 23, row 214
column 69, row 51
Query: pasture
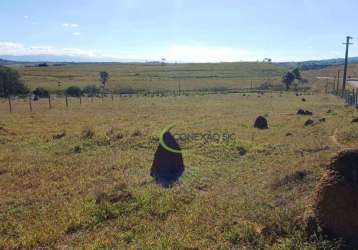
column 254, row 192
column 154, row 77
column 332, row 72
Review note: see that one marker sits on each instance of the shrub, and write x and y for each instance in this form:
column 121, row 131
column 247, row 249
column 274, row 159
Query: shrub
column 73, row 91
column 265, row 86
column 91, row 90
column 10, row 83
column 42, row 65
column 41, row 92
column 288, row 79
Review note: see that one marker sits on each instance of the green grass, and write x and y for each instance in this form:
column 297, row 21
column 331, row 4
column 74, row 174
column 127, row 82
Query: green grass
column 226, row 199
column 154, row 77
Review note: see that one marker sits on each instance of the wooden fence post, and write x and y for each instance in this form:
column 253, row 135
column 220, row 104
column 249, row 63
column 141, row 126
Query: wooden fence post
column 334, row 84
column 30, row 102
column 9, row 99
column 80, row 100
column 49, row 102
column 349, row 96
column 66, row 101
column 354, row 96
column 326, row 87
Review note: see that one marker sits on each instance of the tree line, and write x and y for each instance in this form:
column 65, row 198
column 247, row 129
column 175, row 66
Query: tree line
column 11, row 84
column 73, row 91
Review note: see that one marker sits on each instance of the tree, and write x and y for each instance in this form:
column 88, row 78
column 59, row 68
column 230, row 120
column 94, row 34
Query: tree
column 104, row 77
column 288, row 79
column 41, row 93
column 73, row 91
column 10, row 83
column 91, row 90
column 297, row 73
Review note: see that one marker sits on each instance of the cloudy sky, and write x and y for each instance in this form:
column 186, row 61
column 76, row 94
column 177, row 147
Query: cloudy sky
column 179, row 30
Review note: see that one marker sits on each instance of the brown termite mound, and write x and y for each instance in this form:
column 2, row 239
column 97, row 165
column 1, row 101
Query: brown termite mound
column 304, row 112
column 336, row 207
column 87, row 134
column 167, row 166
column 59, row 136
column 309, row 122
column 261, row 123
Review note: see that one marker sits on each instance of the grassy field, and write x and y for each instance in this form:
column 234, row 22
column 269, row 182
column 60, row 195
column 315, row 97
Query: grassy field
column 320, row 84
column 332, row 71
column 245, row 194
column 154, row 77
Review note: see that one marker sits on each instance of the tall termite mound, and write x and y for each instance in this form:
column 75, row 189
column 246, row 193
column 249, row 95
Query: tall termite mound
column 167, row 166
column 336, row 207
column 261, row 123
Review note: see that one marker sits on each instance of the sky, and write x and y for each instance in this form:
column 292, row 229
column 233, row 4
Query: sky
column 179, row 30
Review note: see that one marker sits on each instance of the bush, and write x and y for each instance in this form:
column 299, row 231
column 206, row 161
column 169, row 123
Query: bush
column 91, row 90
column 128, row 91
column 73, row 91
column 288, row 79
column 41, row 92
column 10, row 83
column 265, row 86
column 42, row 65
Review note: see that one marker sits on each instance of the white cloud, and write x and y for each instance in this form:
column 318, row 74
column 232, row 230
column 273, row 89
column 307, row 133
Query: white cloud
column 70, row 25
column 11, row 48
column 26, row 17
column 76, row 33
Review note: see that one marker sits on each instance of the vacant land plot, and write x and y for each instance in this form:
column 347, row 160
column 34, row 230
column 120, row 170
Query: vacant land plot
column 331, row 72
column 255, row 191
column 153, row 77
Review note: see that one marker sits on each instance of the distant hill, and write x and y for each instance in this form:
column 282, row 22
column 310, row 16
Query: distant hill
column 33, row 59
column 318, row 64
column 6, row 62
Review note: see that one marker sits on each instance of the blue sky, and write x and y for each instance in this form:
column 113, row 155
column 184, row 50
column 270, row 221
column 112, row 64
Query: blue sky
column 179, row 30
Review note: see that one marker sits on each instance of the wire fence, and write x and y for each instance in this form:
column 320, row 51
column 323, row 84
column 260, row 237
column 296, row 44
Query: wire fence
column 349, row 96
column 64, row 101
